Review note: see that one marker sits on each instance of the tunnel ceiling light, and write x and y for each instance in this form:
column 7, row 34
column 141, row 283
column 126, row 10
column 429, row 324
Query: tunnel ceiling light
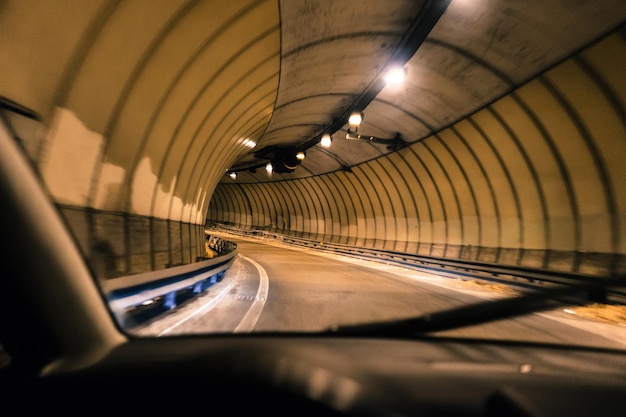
column 249, row 143
column 301, row 155
column 269, row 167
column 233, row 175
column 355, row 120
column 326, row 140
column 395, row 76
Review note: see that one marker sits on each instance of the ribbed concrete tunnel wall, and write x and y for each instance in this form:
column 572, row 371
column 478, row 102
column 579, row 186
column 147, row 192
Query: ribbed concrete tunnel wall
column 535, row 178
column 140, row 106
column 133, row 113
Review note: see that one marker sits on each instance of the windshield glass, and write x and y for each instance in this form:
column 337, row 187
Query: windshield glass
column 249, row 167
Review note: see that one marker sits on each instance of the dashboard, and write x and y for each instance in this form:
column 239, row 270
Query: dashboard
column 311, row 375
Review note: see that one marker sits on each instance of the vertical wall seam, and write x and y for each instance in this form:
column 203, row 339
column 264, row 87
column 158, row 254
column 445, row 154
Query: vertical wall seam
column 341, row 209
column 441, row 202
column 352, row 191
column 620, row 110
column 353, row 177
column 417, row 210
column 454, row 193
column 361, row 177
column 471, row 191
column 565, row 178
column 390, row 183
column 400, row 178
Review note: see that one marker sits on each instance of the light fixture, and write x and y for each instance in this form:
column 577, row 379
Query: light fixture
column 355, row 120
column 233, row 175
column 393, row 144
column 395, row 76
column 281, row 160
column 249, row 143
column 326, row 140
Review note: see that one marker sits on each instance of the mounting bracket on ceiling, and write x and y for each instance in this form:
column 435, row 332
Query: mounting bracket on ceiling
column 395, row 143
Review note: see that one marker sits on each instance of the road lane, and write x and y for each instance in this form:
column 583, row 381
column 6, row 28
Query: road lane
column 252, row 316
column 274, row 288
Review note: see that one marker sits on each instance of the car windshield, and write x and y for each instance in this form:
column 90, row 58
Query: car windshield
column 385, row 168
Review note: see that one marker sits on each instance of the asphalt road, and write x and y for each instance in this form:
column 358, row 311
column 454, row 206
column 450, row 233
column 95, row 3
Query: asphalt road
column 274, row 288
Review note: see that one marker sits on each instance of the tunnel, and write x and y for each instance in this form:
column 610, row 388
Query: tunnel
column 151, row 121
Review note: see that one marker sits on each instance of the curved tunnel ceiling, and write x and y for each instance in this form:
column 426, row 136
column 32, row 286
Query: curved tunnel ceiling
column 477, row 52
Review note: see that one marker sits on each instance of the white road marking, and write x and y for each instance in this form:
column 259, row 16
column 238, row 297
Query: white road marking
column 252, row 316
column 209, row 305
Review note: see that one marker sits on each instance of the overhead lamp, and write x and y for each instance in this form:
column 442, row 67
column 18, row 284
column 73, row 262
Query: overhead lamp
column 281, row 160
column 233, row 175
column 326, row 140
column 395, row 76
column 249, row 143
column 355, row 120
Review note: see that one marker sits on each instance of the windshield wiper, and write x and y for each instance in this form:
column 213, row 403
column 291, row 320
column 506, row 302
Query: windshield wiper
column 482, row 312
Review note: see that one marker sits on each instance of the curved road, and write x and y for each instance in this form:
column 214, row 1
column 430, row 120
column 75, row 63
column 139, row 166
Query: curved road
column 277, row 288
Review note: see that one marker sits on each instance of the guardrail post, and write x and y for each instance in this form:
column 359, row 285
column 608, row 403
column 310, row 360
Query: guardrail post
column 170, row 300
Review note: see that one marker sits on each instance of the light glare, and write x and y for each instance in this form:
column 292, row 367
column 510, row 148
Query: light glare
column 355, row 119
column 249, row 143
column 395, row 76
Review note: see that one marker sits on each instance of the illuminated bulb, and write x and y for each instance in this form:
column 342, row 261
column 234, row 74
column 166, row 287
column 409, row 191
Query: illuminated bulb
column 300, row 155
column 355, row 119
column 233, row 175
column 269, row 167
column 249, row 143
column 325, row 140
column 395, row 76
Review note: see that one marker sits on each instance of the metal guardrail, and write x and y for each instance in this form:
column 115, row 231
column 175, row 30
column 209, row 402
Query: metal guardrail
column 512, row 275
column 137, row 298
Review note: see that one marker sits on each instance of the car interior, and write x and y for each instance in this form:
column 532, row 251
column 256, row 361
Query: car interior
column 64, row 351
column 68, row 355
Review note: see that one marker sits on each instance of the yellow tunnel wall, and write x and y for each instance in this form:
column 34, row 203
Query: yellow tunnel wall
column 139, row 110
column 536, row 178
